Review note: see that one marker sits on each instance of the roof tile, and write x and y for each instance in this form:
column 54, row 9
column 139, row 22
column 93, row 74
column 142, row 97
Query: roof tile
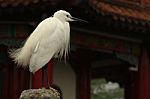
column 120, row 10
column 5, row 3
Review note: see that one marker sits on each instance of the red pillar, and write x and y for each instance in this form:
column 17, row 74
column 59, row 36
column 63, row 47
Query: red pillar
column 130, row 85
column 84, row 77
column 143, row 81
column 14, row 80
column 84, row 82
column 37, row 77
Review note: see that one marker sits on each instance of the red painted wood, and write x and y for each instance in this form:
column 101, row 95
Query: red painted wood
column 37, row 77
column 50, row 71
column 16, row 80
column 84, row 74
column 84, row 82
column 143, row 82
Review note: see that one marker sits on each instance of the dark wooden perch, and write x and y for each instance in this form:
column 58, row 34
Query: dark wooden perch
column 43, row 93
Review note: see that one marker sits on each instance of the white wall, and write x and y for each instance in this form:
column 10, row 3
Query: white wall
column 64, row 77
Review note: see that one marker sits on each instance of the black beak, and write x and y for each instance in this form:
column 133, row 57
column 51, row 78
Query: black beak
column 77, row 19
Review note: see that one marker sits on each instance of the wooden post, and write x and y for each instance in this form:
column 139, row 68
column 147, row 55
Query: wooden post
column 143, row 81
column 84, row 81
column 84, row 74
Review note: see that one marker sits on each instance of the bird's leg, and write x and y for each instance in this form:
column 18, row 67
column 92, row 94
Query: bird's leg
column 30, row 86
column 47, row 80
column 43, row 76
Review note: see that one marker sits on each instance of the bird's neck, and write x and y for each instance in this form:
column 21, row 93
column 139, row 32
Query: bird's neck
column 60, row 18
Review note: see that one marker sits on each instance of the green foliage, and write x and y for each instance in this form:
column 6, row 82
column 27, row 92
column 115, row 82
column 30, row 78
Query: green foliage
column 102, row 93
column 98, row 81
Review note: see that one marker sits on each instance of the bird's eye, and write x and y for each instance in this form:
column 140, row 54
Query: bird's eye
column 67, row 15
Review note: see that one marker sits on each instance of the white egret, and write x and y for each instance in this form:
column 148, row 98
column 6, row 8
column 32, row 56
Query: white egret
column 50, row 38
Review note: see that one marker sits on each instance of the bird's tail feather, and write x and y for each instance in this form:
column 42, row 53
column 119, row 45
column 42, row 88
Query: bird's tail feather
column 20, row 56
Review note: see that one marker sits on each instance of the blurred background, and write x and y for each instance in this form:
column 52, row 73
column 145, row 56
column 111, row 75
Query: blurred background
column 109, row 56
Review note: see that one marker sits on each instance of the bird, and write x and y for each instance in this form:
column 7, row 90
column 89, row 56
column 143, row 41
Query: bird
column 50, row 39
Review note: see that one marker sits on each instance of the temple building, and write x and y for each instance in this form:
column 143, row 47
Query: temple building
column 114, row 45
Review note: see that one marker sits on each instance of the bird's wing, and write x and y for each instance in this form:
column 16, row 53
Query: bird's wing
column 36, row 48
column 47, row 46
column 45, row 28
column 22, row 55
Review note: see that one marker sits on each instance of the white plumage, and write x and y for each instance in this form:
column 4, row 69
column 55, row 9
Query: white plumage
column 50, row 38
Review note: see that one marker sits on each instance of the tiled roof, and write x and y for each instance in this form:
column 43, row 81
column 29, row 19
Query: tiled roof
column 5, row 3
column 126, row 12
column 14, row 3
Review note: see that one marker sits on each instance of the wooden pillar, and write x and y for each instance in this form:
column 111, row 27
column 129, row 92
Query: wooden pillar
column 84, row 77
column 37, row 77
column 13, row 80
column 143, row 81
column 130, row 85
column 84, row 81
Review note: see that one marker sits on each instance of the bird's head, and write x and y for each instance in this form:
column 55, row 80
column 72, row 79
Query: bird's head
column 66, row 16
